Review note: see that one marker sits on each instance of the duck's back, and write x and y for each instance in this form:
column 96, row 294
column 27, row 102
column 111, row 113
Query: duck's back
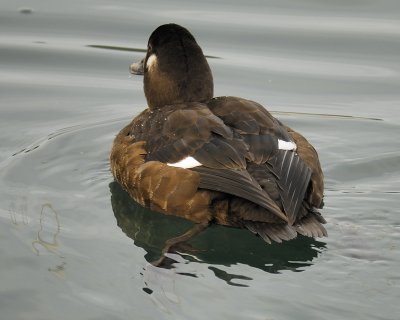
column 227, row 160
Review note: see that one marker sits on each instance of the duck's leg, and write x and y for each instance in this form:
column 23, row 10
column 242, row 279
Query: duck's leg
column 178, row 241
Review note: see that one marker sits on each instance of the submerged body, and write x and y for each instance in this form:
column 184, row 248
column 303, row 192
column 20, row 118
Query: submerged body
column 225, row 160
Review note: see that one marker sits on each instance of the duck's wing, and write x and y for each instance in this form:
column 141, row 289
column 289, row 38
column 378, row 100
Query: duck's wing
column 278, row 149
column 293, row 177
column 175, row 133
column 310, row 157
column 194, row 138
column 260, row 130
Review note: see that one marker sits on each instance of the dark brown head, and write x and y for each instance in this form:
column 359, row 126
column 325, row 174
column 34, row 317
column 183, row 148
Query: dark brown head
column 175, row 69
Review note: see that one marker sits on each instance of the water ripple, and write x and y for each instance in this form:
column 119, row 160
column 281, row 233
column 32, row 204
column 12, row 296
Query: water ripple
column 310, row 24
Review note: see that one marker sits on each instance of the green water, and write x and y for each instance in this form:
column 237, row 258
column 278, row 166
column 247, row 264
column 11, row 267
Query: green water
column 72, row 243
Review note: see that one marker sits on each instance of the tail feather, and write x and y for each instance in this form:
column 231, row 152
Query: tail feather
column 310, row 226
column 274, row 232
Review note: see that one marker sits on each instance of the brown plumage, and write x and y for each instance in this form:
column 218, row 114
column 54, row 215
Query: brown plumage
column 245, row 169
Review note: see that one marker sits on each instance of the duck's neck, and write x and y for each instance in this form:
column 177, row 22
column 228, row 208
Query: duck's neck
column 179, row 78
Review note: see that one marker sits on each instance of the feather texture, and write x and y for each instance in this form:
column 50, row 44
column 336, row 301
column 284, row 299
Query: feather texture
column 269, row 191
column 235, row 144
column 224, row 159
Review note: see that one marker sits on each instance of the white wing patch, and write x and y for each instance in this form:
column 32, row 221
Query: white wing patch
column 151, row 62
column 286, row 145
column 188, row 162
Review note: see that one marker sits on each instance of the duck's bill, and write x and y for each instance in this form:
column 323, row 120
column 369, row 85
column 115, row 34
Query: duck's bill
column 137, row 68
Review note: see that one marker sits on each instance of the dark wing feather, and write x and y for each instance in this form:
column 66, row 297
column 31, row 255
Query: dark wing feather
column 173, row 133
column 222, row 153
column 261, row 147
column 246, row 116
column 259, row 129
column 294, row 176
column 308, row 154
column 238, row 183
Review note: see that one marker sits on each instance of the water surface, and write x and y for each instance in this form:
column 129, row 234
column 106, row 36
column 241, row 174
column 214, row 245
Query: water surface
column 72, row 243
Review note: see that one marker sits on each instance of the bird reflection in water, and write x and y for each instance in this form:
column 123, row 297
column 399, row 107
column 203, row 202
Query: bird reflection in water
column 215, row 246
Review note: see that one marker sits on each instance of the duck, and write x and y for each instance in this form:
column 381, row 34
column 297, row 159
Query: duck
column 214, row 160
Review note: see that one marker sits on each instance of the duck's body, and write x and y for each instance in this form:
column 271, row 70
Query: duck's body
column 225, row 160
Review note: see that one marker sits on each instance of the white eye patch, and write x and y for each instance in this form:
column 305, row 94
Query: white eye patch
column 151, row 62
